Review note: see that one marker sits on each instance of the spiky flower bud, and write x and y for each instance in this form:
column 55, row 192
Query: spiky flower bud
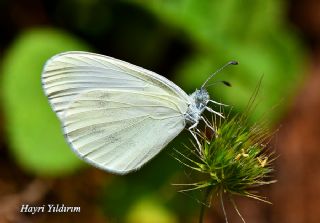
column 233, row 158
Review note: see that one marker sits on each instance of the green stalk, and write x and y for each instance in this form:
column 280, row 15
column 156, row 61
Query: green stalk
column 204, row 203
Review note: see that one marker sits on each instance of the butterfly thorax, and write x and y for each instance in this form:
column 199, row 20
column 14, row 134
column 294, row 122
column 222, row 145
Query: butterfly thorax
column 199, row 100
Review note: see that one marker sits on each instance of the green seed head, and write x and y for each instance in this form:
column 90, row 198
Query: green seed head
column 233, row 159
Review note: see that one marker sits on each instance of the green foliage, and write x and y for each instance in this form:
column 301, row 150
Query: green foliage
column 150, row 209
column 35, row 135
column 251, row 32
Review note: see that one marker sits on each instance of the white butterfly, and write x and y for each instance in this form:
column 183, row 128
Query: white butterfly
column 115, row 115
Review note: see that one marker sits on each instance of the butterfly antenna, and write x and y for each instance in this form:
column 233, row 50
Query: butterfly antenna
column 226, row 83
column 224, row 66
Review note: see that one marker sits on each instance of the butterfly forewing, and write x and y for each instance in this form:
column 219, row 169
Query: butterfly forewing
column 68, row 74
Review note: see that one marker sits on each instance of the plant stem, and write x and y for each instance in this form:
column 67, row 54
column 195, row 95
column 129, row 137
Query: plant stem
column 236, row 208
column 204, row 203
column 223, row 208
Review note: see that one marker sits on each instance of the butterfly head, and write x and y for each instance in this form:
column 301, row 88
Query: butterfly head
column 200, row 98
column 198, row 103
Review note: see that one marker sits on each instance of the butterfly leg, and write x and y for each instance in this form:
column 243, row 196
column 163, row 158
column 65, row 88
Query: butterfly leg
column 213, row 111
column 207, row 124
column 190, row 129
column 217, row 103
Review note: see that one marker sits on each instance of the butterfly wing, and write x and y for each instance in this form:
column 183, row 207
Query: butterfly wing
column 116, row 116
column 119, row 131
column 66, row 75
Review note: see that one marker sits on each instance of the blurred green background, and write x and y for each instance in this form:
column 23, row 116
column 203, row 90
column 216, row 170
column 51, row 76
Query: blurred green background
column 183, row 40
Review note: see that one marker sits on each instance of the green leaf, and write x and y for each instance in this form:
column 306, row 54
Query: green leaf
column 36, row 140
column 252, row 32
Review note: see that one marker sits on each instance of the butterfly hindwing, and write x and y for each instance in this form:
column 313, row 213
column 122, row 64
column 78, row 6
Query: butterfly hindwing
column 119, row 131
